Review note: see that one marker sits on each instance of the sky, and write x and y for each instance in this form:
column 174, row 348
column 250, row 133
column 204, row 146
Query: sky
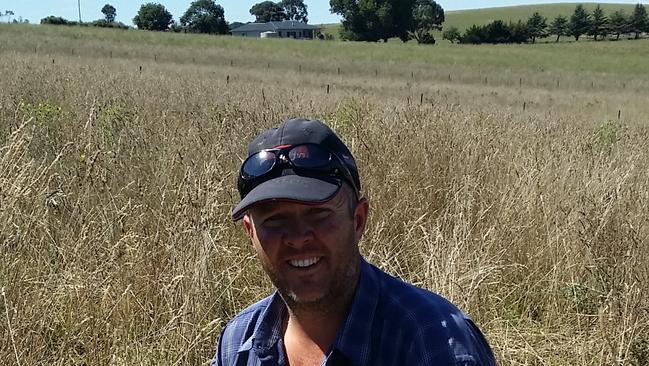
column 235, row 10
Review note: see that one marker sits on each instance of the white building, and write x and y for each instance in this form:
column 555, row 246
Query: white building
column 285, row 29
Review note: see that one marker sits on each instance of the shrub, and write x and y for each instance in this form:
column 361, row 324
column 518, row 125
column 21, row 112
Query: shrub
column 452, row 34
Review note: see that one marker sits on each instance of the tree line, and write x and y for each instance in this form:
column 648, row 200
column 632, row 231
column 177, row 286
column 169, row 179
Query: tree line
column 581, row 23
column 202, row 16
column 362, row 21
column 9, row 15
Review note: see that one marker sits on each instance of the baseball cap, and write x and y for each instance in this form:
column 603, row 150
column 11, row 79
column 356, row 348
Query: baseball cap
column 288, row 183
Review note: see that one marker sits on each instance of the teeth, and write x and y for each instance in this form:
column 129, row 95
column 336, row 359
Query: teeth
column 301, row 263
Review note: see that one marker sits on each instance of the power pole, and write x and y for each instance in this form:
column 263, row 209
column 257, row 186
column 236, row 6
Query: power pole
column 79, row 6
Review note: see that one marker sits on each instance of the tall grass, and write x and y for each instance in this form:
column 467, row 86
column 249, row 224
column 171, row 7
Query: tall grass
column 116, row 184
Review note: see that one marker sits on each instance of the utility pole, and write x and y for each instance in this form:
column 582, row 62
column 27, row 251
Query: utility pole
column 79, row 6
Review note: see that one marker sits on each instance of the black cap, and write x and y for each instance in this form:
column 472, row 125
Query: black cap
column 290, row 185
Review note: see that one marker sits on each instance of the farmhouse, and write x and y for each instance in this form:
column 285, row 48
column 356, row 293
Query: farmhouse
column 285, row 29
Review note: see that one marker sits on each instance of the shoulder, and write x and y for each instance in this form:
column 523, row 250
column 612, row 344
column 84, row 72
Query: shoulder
column 413, row 304
column 432, row 326
column 238, row 331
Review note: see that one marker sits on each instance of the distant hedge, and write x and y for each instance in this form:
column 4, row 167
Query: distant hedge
column 53, row 20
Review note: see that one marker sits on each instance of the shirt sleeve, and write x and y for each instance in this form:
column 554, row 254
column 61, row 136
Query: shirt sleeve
column 481, row 351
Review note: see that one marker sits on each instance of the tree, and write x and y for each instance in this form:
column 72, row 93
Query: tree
column 452, row 34
column 619, row 23
column 110, row 13
column 579, row 22
column 364, row 20
column 295, row 10
column 559, row 27
column 205, row 16
column 475, row 34
column 152, row 16
column 8, row 14
column 268, row 11
column 599, row 24
column 498, row 32
column 537, row 26
column 520, row 32
column 639, row 22
column 427, row 15
column 373, row 20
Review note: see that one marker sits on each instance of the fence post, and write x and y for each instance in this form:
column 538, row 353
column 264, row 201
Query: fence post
column 327, row 88
column 227, row 79
column 421, row 98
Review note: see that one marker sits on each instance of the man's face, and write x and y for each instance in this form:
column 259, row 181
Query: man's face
column 310, row 252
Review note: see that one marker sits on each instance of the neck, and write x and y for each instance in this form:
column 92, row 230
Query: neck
column 318, row 324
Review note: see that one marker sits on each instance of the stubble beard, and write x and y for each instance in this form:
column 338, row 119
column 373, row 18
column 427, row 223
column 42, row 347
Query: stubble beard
column 339, row 293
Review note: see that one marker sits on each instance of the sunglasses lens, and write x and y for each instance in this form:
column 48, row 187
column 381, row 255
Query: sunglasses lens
column 258, row 164
column 309, row 156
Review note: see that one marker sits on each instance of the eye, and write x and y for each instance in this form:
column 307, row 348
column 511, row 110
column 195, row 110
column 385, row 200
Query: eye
column 273, row 221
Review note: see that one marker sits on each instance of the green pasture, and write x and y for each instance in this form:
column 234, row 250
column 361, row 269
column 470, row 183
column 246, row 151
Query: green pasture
column 565, row 59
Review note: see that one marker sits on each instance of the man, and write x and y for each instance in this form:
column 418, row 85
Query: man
column 302, row 209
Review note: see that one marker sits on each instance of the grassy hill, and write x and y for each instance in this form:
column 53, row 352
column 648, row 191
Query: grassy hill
column 463, row 19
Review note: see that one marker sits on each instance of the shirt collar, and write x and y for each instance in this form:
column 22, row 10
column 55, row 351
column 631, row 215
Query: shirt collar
column 269, row 328
column 353, row 339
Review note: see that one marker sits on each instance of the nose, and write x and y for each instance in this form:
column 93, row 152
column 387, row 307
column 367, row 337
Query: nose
column 298, row 234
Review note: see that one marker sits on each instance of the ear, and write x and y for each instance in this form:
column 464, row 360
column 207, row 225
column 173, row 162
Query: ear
column 360, row 217
column 248, row 225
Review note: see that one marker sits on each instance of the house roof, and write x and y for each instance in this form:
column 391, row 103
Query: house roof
column 275, row 26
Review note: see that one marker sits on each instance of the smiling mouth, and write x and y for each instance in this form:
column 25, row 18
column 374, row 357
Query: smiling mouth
column 304, row 263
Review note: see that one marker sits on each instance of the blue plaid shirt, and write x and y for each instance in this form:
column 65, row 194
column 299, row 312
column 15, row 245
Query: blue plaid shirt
column 390, row 323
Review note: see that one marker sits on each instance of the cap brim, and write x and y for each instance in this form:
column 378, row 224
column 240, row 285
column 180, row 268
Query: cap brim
column 294, row 188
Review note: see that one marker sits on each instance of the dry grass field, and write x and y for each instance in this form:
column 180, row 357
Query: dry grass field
column 511, row 179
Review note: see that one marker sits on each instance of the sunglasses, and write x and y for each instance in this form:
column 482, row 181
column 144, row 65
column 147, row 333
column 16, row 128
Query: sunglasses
column 306, row 159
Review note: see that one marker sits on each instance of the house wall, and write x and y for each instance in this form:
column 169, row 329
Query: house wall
column 254, row 34
column 294, row 33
